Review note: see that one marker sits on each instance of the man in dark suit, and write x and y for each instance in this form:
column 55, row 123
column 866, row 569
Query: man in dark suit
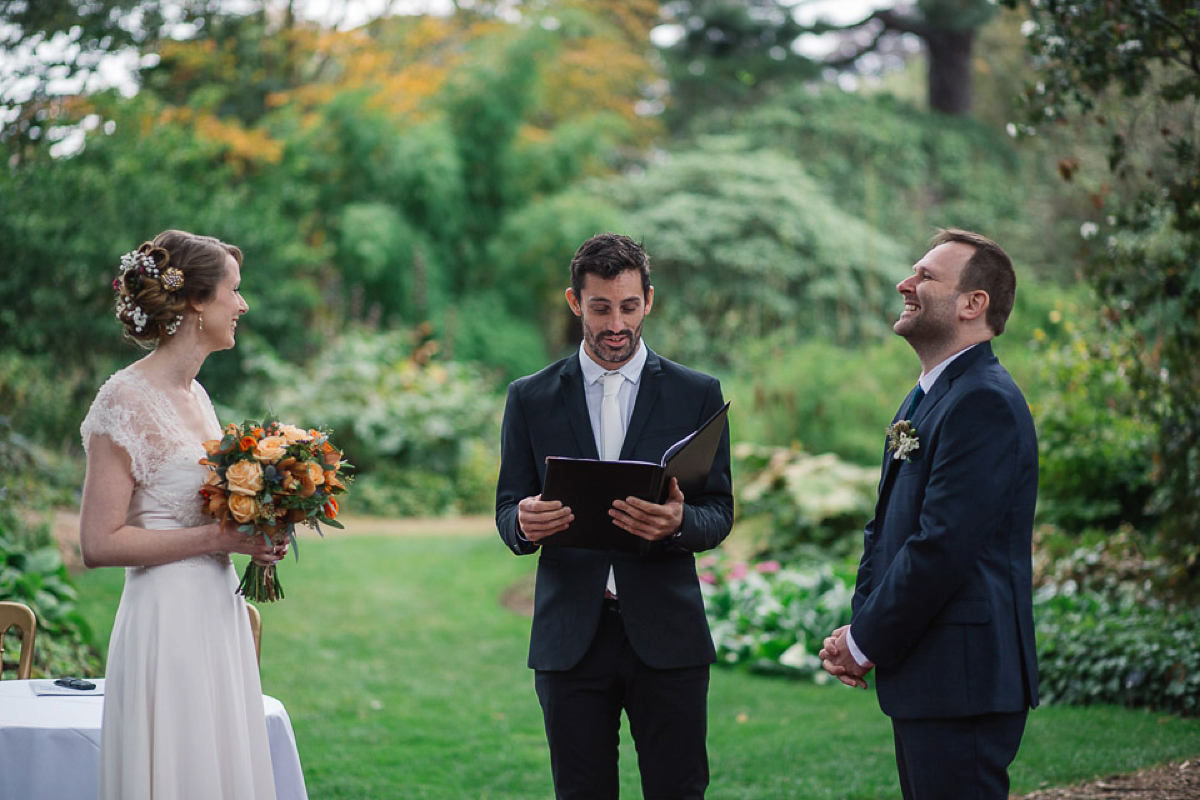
column 616, row 630
column 943, row 607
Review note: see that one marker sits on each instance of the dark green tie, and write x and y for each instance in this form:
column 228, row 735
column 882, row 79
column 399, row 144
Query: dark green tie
column 916, row 401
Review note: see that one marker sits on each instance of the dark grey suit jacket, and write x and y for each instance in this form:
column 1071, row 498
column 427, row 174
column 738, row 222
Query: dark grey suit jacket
column 943, row 603
column 661, row 606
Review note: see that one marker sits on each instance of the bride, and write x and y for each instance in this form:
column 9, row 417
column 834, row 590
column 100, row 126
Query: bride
column 183, row 712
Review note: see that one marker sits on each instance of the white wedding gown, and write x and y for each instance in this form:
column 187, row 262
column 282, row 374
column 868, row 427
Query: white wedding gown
column 183, row 709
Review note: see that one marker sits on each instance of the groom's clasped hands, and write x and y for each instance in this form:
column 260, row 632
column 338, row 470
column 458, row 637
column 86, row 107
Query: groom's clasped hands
column 837, row 660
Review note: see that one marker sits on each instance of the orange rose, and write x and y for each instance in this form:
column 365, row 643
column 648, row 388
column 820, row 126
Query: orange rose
column 243, row 507
column 244, row 477
column 330, row 455
column 310, row 475
column 330, row 508
column 247, row 443
column 215, row 502
column 270, row 449
column 331, row 481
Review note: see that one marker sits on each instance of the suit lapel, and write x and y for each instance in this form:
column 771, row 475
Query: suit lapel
column 570, row 390
column 980, row 353
column 643, row 405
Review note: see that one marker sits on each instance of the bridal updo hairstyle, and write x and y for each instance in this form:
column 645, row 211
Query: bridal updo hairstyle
column 155, row 282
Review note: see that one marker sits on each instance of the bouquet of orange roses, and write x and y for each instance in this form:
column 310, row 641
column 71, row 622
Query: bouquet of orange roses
column 270, row 477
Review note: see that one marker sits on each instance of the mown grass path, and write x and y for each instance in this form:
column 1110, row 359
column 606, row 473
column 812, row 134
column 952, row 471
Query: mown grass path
column 404, row 675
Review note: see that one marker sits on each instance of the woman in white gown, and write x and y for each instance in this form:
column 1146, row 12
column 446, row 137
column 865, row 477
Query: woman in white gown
column 183, row 711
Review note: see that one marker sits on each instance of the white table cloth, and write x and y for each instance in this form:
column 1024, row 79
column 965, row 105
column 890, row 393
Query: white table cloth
column 50, row 746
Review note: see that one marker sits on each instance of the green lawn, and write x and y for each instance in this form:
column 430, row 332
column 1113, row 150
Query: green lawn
column 404, row 678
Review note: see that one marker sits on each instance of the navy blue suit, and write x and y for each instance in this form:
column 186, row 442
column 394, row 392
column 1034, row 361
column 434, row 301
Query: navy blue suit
column 661, row 609
column 943, row 602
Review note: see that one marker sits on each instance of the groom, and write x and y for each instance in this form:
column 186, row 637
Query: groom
column 616, row 630
column 942, row 609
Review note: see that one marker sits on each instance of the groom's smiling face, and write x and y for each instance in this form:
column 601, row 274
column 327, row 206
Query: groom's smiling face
column 931, row 294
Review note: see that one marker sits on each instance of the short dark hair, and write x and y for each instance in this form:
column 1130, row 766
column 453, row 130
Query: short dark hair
column 989, row 269
column 608, row 255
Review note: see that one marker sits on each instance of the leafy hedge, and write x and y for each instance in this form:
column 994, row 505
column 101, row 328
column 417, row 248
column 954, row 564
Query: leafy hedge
column 1095, row 650
column 1105, row 632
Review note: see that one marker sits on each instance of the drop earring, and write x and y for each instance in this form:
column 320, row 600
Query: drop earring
column 200, row 320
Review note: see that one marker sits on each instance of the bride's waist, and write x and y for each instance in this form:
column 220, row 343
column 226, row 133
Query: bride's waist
column 212, row 561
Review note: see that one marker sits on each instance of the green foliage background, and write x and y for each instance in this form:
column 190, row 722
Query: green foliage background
column 409, row 198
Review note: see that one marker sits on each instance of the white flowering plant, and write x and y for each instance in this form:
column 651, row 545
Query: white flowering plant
column 771, row 618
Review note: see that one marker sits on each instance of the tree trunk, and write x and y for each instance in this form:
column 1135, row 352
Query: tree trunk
column 950, row 70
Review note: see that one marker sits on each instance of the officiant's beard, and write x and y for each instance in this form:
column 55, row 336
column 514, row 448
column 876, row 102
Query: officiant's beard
column 607, row 354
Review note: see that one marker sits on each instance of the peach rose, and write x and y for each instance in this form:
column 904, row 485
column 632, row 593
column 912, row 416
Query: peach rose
column 243, row 507
column 293, row 434
column 270, row 449
column 332, row 482
column 244, row 477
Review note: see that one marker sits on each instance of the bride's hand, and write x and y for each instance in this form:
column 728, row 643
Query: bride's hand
column 259, row 548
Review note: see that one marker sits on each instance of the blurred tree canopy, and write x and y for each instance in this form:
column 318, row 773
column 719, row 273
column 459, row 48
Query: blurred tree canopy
column 1130, row 73
column 366, row 174
column 730, row 51
column 409, row 192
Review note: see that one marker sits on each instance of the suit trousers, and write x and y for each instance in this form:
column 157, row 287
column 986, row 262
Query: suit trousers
column 964, row 758
column 667, row 711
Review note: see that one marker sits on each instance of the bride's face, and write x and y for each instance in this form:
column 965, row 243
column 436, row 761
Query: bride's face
column 222, row 311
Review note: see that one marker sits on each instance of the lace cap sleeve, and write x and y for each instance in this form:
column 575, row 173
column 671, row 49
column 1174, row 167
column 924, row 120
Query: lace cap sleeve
column 126, row 412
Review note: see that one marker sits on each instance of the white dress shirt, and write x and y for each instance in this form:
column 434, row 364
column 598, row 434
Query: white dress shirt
column 593, row 392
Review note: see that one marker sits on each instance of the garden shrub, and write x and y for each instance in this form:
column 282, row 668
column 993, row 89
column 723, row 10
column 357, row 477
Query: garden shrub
column 1105, row 635
column 32, row 572
column 1093, row 649
column 793, row 505
column 31, row 569
column 772, row 619
column 1095, row 448
column 413, row 426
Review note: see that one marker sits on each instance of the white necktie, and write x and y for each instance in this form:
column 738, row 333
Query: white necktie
column 612, row 429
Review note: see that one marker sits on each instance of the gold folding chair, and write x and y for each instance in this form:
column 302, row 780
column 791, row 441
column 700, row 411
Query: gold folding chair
column 256, row 629
column 21, row 617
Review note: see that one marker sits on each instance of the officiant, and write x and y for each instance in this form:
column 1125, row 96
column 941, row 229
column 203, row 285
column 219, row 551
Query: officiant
column 616, row 630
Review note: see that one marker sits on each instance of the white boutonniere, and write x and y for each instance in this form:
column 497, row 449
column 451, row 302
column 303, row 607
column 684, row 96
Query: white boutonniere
column 902, row 439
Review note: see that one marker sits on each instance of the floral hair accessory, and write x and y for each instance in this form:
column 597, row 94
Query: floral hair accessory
column 171, row 279
column 147, row 262
column 902, row 439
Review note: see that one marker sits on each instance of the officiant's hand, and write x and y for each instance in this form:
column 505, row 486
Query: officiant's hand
column 650, row 521
column 540, row 518
column 837, row 660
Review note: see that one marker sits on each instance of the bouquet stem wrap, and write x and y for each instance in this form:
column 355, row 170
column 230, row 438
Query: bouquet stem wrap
column 260, row 582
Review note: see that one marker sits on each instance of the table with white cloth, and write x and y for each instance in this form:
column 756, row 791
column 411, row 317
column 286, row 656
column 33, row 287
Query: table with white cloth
column 50, row 745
